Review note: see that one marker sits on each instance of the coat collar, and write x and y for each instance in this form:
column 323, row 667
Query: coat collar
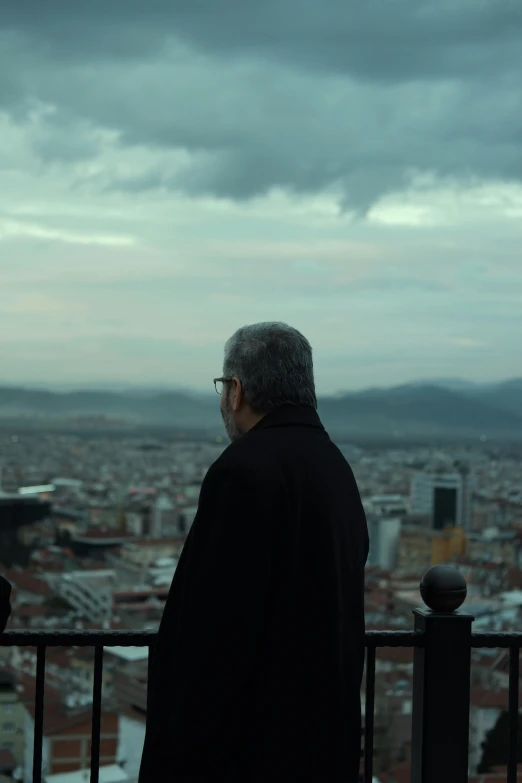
column 289, row 416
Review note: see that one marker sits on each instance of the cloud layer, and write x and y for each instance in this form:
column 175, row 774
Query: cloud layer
column 171, row 170
column 357, row 97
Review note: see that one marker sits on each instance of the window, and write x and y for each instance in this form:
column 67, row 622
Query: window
column 8, row 708
column 8, row 728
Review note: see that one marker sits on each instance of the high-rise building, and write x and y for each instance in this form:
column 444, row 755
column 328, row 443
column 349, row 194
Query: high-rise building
column 446, row 497
column 384, row 514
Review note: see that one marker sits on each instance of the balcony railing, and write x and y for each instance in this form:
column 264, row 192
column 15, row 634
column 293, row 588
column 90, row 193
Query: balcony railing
column 442, row 640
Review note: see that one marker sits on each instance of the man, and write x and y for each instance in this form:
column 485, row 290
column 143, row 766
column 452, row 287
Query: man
column 257, row 670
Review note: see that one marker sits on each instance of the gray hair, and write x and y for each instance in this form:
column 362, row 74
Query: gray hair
column 274, row 363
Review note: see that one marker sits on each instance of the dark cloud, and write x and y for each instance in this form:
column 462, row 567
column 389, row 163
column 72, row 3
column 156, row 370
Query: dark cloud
column 299, row 94
column 372, row 38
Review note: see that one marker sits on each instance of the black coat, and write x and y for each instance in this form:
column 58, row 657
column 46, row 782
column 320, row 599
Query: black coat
column 257, row 671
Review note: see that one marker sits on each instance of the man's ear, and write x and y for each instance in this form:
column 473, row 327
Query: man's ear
column 237, row 394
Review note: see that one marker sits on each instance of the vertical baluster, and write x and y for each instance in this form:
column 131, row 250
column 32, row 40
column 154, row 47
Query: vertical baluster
column 39, row 712
column 514, row 654
column 96, row 713
column 369, row 714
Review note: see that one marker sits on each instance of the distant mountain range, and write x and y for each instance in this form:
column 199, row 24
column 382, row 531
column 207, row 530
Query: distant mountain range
column 447, row 408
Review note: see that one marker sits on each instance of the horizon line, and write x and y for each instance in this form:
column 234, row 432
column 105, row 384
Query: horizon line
column 123, row 386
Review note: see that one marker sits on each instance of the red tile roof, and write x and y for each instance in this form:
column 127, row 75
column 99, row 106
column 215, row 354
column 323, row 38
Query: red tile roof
column 28, row 689
column 395, row 654
column 56, row 717
column 95, row 535
column 514, row 577
column 492, row 778
column 493, row 699
column 27, row 610
column 27, row 583
column 133, row 714
column 59, row 656
column 7, row 760
column 150, row 591
column 401, row 774
column 160, row 542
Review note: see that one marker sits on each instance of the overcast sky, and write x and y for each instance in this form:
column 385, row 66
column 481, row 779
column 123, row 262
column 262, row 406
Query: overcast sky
column 173, row 169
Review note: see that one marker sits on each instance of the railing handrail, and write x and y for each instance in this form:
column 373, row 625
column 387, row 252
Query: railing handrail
column 130, row 638
column 67, row 637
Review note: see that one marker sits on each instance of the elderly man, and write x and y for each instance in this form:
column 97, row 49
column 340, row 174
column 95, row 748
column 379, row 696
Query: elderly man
column 257, row 671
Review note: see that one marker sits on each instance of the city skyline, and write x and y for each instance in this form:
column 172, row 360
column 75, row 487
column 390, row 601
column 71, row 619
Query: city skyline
column 168, row 177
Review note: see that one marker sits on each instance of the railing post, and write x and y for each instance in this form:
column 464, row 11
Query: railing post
column 441, row 681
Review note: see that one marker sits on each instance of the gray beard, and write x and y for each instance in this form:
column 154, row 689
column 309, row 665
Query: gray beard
column 233, row 431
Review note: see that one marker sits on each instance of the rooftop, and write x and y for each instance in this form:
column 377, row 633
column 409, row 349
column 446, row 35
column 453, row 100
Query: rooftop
column 22, row 580
column 130, row 654
column 112, row 773
column 7, row 760
column 153, row 542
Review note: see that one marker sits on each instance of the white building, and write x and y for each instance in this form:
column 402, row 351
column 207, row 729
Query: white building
column 111, row 773
column 165, row 518
column 132, row 739
column 38, row 491
column 388, row 505
column 134, row 524
column 89, row 593
column 67, row 483
column 481, row 721
column 27, row 772
column 384, row 540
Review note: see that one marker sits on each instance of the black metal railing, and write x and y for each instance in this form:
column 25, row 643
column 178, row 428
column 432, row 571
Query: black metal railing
column 96, row 639
column 442, row 641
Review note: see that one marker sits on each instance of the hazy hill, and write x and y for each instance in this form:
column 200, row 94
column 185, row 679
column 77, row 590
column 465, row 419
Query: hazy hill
column 408, row 410
column 507, row 395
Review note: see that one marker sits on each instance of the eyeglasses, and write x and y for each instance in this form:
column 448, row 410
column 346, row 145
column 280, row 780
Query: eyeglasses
column 218, row 383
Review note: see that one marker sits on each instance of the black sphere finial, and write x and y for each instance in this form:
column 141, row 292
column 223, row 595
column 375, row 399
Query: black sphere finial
column 443, row 589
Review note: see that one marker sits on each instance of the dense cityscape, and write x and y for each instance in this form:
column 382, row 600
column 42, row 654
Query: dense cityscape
column 92, row 529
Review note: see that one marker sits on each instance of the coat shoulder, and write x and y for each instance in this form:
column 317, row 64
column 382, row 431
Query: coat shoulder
column 248, row 456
